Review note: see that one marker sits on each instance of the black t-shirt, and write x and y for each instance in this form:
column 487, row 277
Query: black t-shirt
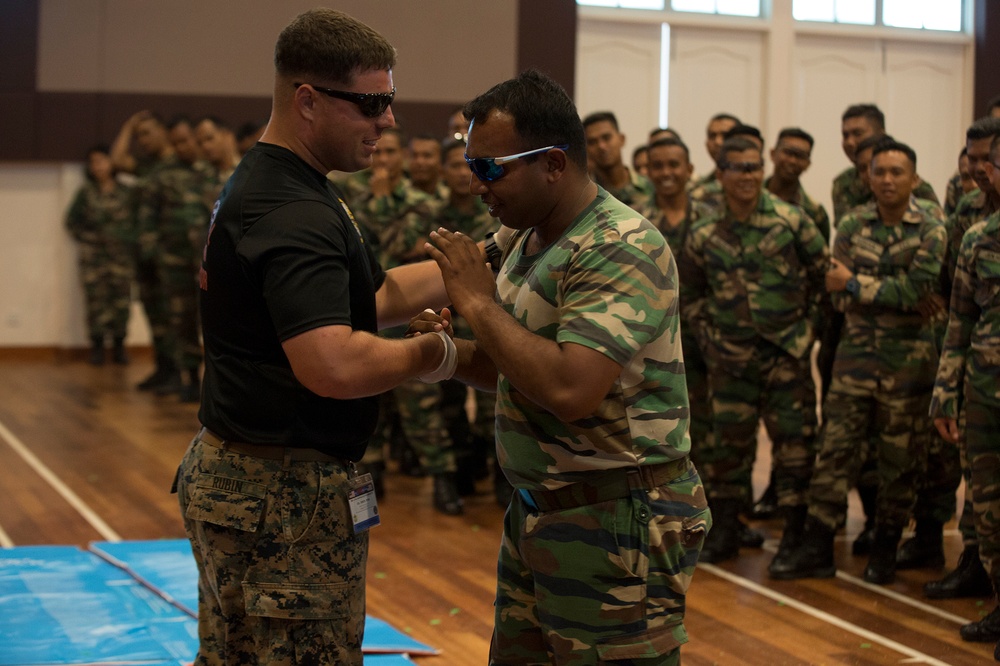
column 283, row 257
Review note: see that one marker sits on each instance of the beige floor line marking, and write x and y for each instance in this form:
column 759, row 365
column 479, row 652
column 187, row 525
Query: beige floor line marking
column 916, row 657
column 5, row 540
column 67, row 494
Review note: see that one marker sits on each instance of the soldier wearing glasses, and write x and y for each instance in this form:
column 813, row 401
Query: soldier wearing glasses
column 579, row 336
column 292, row 298
column 752, row 278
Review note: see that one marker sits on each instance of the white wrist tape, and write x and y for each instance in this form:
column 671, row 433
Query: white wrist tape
column 448, row 364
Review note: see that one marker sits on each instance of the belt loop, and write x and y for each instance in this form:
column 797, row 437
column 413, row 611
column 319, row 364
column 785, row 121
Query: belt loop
column 636, row 479
column 286, row 460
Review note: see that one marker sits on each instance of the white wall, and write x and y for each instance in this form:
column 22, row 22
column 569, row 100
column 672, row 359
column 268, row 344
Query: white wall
column 776, row 72
column 41, row 300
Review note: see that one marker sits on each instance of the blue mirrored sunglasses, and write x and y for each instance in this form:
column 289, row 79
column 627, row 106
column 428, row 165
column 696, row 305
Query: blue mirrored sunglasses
column 491, row 169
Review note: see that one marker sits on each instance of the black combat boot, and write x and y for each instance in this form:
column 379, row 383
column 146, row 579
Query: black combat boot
column 812, row 559
column 925, row 550
column 869, row 502
column 986, row 630
column 969, row 579
column 164, row 367
column 723, row 540
column 96, row 350
column 751, row 537
column 881, row 569
column 191, row 392
column 767, row 506
column 791, row 537
column 446, row 499
column 118, row 354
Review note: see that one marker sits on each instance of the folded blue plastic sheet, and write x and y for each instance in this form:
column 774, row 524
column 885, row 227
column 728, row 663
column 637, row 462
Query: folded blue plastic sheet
column 62, row 605
column 167, row 567
column 388, row 660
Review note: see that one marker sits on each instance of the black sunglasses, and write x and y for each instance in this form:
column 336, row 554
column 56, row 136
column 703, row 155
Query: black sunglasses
column 372, row 105
column 741, row 167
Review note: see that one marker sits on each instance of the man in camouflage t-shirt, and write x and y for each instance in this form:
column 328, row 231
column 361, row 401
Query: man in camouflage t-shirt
column 579, row 335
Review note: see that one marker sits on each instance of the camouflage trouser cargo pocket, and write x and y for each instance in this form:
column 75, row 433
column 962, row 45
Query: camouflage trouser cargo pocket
column 281, row 572
column 290, row 601
column 601, row 583
column 227, row 502
column 656, row 644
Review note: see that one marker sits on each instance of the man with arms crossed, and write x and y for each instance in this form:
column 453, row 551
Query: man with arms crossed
column 291, row 300
column 583, row 348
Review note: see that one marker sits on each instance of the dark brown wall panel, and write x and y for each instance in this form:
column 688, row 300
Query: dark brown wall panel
column 546, row 39
column 987, row 83
column 61, row 126
column 17, row 126
column 18, row 45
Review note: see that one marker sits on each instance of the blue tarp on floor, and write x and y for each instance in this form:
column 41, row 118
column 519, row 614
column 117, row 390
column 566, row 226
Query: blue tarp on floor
column 124, row 602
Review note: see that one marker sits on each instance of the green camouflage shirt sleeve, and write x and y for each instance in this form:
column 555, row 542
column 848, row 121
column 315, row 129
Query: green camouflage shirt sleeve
column 863, row 239
column 971, row 353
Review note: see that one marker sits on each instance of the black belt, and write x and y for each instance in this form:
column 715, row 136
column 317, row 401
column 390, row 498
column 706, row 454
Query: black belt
column 267, row 451
column 612, row 484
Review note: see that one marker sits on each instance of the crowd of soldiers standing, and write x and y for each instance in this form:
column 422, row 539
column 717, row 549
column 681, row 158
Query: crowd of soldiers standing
column 903, row 308
column 141, row 218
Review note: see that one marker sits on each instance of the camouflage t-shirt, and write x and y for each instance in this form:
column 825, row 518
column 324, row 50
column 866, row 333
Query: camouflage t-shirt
column 971, row 354
column 609, row 284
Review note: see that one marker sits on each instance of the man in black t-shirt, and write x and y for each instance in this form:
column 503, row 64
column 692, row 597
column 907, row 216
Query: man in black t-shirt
column 291, row 300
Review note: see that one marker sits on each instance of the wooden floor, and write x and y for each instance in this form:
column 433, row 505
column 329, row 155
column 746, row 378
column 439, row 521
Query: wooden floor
column 83, row 456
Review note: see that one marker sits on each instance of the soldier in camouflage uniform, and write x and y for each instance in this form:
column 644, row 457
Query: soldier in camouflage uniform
column 966, row 399
column 173, row 214
column 752, row 281
column 424, row 166
column 791, row 156
column 969, row 578
column 709, row 193
column 960, row 184
column 602, row 536
column 100, row 221
column 887, row 259
column 715, row 135
column 604, row 151
column 474, row 441
column 149, row 135
column 400, row 217
column 291, row 302
column 849, row 190
column 674, row 213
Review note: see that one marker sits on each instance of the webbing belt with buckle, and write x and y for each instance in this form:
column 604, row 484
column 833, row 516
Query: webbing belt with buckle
column 610, row 485
column 268, row 452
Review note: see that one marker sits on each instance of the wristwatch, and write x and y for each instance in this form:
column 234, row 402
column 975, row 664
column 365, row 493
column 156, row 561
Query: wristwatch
column 493, row 252
column 853, row 287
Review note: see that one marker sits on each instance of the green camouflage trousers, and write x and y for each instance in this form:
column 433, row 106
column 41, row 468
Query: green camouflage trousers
column 180, row 291
column 936, row 496
column 699, row 398
column 982, row 423
column 877, row 399
column 604, row 583
column 107, row 288
column 423, row 422
column 778, row 388
column 154, row 304
column 281, row 574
